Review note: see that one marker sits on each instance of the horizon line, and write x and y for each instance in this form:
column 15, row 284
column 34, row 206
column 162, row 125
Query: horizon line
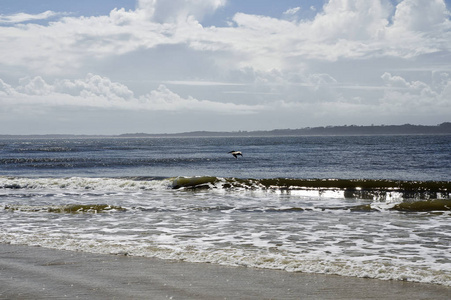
column 326, row 127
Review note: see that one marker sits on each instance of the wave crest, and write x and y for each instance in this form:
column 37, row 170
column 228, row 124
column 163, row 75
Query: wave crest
column 384, row 194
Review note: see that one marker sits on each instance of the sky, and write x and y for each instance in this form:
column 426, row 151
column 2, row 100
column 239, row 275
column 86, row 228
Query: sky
column 169, row 66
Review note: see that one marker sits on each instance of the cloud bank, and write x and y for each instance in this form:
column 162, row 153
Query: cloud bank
column 101, row 92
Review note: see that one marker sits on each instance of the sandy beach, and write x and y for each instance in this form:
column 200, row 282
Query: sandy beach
column 40, row 273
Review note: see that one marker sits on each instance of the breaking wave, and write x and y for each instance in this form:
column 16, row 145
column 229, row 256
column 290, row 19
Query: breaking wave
column 413, row 196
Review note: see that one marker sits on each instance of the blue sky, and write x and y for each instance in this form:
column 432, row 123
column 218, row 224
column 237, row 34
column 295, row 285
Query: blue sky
column 103, row 7
column 116, row 66
column 77, row 8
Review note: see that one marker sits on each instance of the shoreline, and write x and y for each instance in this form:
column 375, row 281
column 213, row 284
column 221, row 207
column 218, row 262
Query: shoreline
column 29, row 272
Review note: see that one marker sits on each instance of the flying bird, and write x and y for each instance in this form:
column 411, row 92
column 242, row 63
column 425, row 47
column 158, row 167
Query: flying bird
column 236, row 153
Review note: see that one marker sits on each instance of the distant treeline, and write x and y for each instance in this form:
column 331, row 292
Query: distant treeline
column 444, row 128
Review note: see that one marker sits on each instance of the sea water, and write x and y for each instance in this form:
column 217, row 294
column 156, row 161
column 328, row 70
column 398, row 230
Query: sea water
column 366, row 206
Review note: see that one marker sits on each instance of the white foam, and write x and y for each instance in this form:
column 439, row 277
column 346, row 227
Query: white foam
column 253, row 228
column 80, row 183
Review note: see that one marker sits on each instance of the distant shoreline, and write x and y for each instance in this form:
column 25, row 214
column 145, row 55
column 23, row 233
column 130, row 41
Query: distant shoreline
column 406, row 129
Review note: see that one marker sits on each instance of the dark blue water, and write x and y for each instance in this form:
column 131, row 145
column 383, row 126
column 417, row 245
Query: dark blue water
column 344, row 157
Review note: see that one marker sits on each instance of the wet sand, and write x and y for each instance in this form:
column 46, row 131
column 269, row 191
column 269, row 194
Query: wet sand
column 40, row 273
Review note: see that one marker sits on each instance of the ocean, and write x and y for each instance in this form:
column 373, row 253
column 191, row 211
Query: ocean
column 365, row 206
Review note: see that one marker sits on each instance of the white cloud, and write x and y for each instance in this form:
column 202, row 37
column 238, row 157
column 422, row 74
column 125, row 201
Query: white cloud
column 322, row 79
column 23, row 17
column 6, row 89
column 34, row 86
column 357, row 20
column 416, row 87
column 344, row 29
column 72, row 42
column 419, row 27
column 95, row 85
column 163, row 11
column 421, row 15
column 164, row 99
column 416, row 97
column 292, row 11
column 101, row 92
